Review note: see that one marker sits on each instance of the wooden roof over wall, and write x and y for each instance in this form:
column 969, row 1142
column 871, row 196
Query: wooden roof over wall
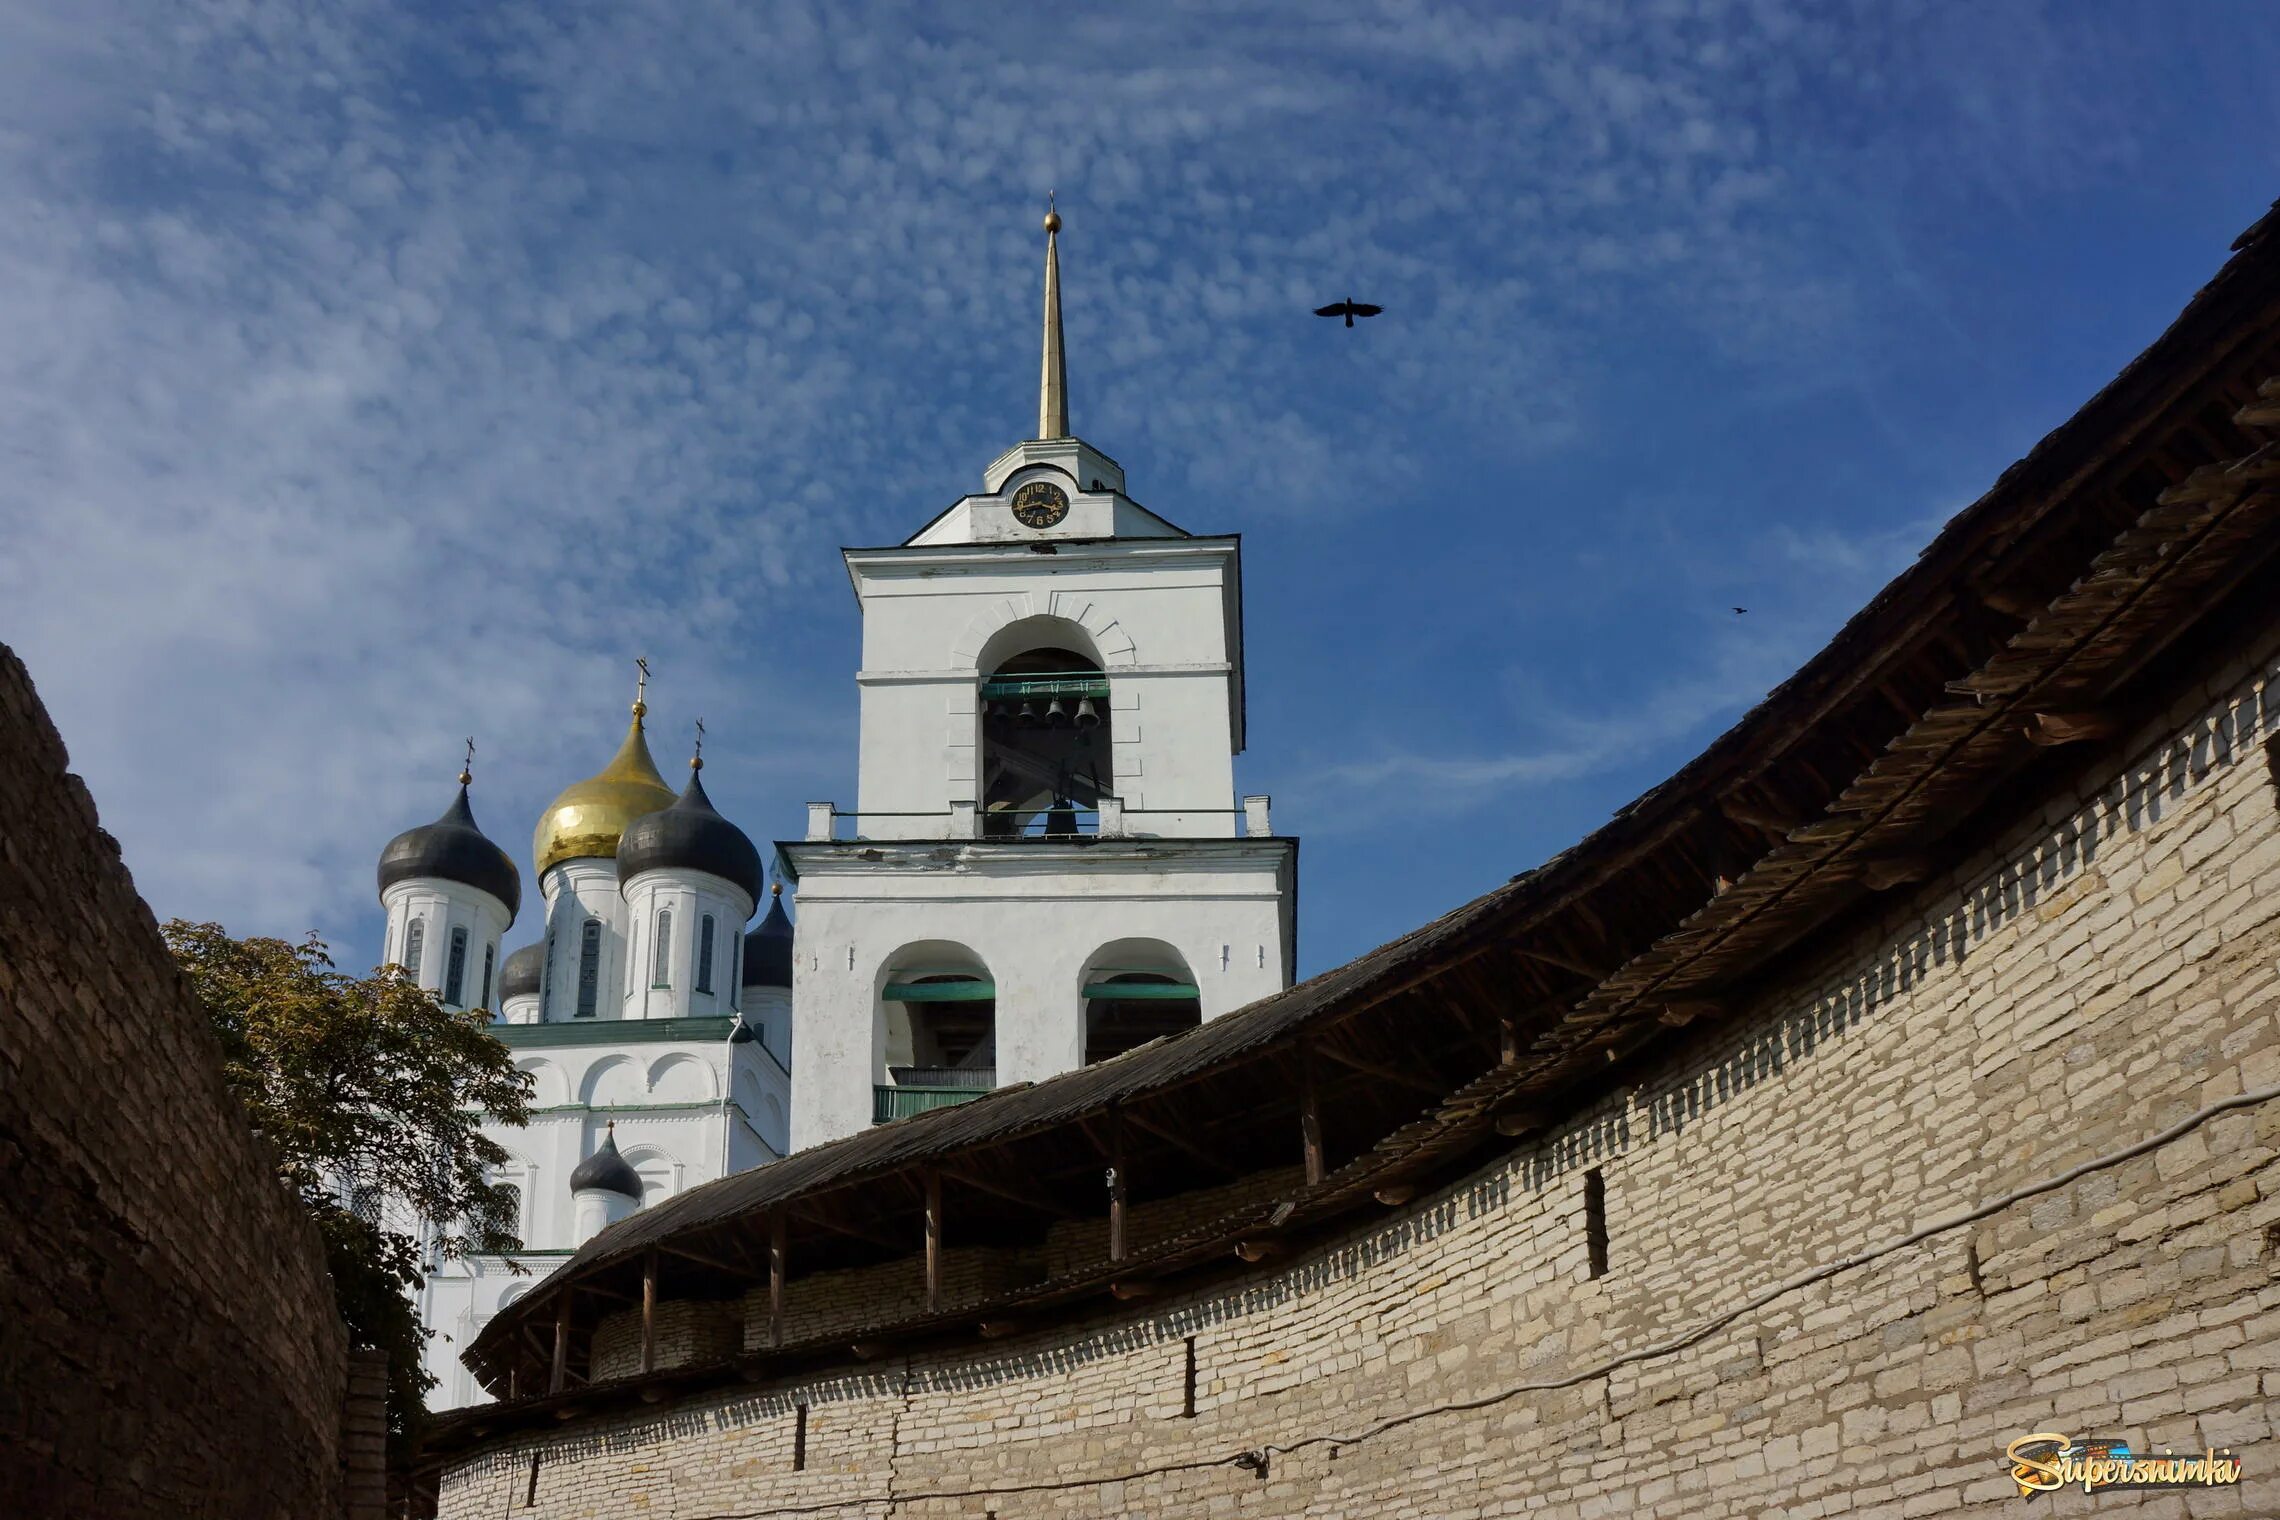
column 2016, row 633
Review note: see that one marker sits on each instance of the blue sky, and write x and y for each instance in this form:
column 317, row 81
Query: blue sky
column 374, row 374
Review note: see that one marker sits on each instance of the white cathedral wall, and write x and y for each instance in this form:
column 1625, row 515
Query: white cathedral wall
column 440, row 907
column 578, row 890
column 1156, row 613
column 1036, row 921
column 671, row 991
column 687, row 1112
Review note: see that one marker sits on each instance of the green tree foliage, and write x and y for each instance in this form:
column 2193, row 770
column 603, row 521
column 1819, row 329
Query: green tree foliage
column 366, row 1086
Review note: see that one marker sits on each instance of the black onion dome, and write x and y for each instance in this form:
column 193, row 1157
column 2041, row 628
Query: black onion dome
column 453, row 849
column 768, row 948
column 607, row 1169
column 690, row 836
column 524, row 972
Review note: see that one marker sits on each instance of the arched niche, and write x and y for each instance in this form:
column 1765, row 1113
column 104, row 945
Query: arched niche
column 1047, row 751
column 935, row 1033
column 660, row 1172
column 1135, row 991
column 681, row 1078
column 615, row 1082
column 550, row 1085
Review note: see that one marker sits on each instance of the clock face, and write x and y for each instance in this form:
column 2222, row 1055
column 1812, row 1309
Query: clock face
column 1040, row 504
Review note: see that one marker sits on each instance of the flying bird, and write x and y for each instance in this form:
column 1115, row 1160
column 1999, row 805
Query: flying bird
column 1349, row 309
column 1741, row 609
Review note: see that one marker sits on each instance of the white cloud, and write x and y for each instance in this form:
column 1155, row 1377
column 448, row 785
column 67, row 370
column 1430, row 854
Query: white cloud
column 377, row 374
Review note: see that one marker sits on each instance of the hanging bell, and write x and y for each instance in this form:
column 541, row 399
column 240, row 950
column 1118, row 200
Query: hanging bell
column 1056, row 715
column 1088, row 716
column 1027, row 717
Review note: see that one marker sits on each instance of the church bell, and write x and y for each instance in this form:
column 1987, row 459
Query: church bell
column 1056, row 714
column 1087, row 715
column 1027, row 717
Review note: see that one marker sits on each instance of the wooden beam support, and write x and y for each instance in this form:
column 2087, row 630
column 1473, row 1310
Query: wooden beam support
column 561, row 1365
column 933, row 1241
column 775, row 1278
column 1508, row 1041
column 1886, row 872
column 1521, row 1121
column 1678, row 1012
column 1565, row 960
column 1757, row 815
column 1309, row 1114
column 856, row 1231
column 1399, row 1078
column 2070, row 727
column 733, row 1268
column 966, row 1178
column 598, row 1291
column 1181, row 1144
column 2022, row 605
column 1118, row 1187
column 648, row 1313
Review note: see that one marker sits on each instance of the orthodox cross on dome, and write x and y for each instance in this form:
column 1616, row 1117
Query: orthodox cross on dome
column 641, row 686
column 697, row 756
column 467, row 766
column 1053, row 386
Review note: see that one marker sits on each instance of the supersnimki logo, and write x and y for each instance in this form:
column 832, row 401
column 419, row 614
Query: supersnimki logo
column 2047, row 1461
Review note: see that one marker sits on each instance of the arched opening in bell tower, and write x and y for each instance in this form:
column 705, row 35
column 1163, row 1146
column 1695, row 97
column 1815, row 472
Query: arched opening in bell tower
column 1136, row 990
column 936, row 1036
column 1046, row 745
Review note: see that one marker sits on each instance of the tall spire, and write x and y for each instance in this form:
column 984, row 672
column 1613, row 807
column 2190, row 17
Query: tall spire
column 1053, row 387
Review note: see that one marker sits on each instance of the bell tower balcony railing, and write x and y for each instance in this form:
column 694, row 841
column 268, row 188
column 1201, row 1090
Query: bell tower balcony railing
column 1109, row 820
column 1021, row 688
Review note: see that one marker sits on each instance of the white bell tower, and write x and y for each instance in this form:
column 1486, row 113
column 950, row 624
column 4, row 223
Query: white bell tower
column 1047, row 864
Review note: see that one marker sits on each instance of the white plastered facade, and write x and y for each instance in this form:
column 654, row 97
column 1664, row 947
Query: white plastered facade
column 1175, row 874
column 655, row 1058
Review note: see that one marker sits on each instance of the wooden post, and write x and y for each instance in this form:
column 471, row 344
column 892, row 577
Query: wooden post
column 1508, row 1041
column 1309, row 1113
column 776, row 1278
column 649, row 1313
column 1116, row 1184
column 933, row 1240
column 555, row 1379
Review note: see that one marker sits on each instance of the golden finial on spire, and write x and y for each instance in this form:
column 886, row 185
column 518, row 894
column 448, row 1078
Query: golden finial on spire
column 467, row 766
column 640, row 687
column 1053, row 388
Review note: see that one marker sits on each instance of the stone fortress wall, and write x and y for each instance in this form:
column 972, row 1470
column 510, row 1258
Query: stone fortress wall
column 168, row 1343
column 2109, row 969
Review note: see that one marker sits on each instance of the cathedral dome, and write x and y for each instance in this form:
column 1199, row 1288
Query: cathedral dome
column 587, row 820
column 768, row 948
column 608, row 1170
column 690, row 836
column 524, row 972
column 452, row 849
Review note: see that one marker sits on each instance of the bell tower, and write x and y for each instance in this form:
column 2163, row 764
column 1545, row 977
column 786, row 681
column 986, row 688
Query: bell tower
column 1047, row 863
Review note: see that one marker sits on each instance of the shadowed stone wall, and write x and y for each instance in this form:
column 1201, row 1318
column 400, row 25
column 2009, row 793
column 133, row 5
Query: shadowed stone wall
column 168, row 1344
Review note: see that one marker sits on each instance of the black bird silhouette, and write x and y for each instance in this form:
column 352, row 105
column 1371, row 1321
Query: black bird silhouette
column 1349, row 309
column 1741, row 609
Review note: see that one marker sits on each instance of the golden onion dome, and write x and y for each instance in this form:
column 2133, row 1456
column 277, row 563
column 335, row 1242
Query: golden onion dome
column 585, row 821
